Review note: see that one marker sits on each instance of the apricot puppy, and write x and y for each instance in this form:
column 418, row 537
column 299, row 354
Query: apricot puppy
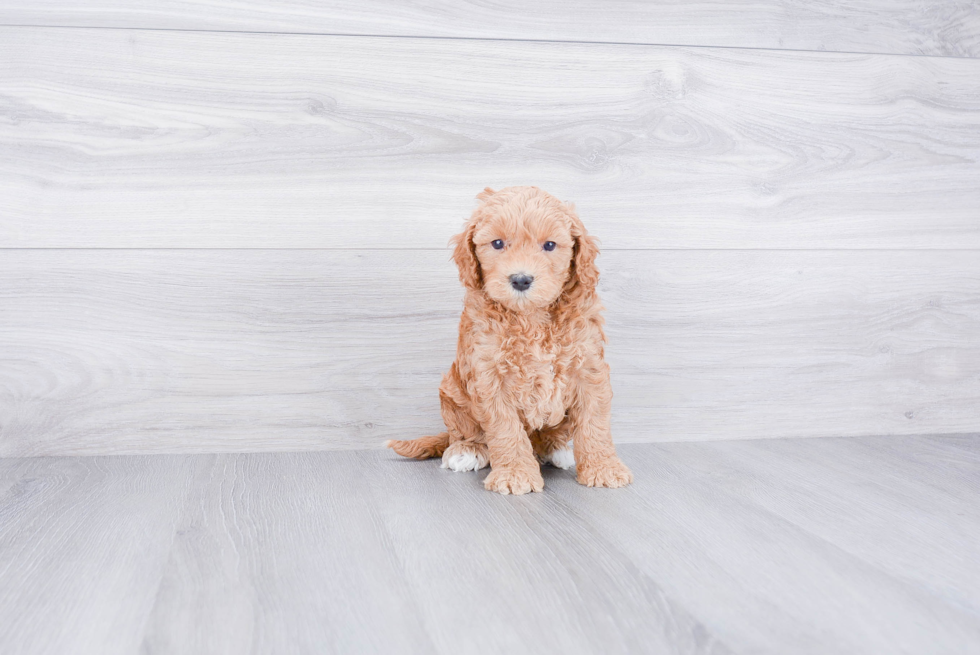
column 529, row 377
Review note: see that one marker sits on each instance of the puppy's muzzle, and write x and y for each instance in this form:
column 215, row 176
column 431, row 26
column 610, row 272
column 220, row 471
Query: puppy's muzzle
column 521, row 282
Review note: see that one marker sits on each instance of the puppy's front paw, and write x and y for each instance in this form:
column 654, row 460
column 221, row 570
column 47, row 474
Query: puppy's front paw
column 514, row 481
column 607, row 473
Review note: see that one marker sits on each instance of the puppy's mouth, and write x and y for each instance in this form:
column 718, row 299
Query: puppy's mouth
column 519, row 291
column 524, row 299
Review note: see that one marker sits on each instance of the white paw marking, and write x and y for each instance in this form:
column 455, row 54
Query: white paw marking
column 563, row 458
column 464, row 461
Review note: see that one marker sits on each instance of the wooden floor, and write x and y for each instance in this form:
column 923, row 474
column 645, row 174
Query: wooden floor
column 831, row 545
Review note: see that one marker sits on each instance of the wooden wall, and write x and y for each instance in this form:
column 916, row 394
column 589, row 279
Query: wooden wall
column 223, row 227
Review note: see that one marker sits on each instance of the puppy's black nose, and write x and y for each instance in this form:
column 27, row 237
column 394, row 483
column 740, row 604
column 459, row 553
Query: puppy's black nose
column 521, row 282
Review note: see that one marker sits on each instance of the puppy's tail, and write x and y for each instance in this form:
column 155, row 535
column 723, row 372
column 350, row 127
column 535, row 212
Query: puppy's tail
column 423, row 448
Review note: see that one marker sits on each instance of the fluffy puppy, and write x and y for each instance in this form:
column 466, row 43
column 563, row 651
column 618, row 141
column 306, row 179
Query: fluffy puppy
column 529, row 377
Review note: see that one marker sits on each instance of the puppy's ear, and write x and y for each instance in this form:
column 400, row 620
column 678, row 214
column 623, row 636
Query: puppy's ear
column 484, row 195
column 584, row 275
column 464, row 254
column 586, row 250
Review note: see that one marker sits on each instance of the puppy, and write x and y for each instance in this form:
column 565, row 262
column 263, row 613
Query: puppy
column 529, row 378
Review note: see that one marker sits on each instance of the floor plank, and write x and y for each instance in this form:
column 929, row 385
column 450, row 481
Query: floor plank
column 204, row 351
column 857, row 513
column 920, row 27
column 118, row 138
column 84, row 545
column 797, row 545
column 285, row 554
column 403, row 575
column 814, row 595
column 504, row 555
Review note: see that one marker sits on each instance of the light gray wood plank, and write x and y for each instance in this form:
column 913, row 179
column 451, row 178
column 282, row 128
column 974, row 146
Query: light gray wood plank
column 118, row 138
column 285, row 554
column 796, row 545
column 888, row 516
column 354, row 552
column 537, row 554
column 83, row 547
column 202, row 351
column 761, row 562
column 946, row 27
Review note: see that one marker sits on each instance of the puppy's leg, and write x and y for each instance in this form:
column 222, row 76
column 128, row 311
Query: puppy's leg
column 514, row 468
column 465, row 452
column 554, row 445
column 596, row 463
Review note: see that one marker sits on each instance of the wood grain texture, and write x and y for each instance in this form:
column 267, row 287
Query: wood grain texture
column 946, row 27
column 201, row 351
column 862, row 545
column 169, row 139
column 357, row 553
column 84, row 544
column 834, row 532
column 943, row 504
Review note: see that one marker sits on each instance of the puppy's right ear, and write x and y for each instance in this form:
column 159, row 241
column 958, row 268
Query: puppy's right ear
column 464, row 254
column 484, row 195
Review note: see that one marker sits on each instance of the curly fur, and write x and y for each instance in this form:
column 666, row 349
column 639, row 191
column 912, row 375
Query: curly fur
column 530, row 373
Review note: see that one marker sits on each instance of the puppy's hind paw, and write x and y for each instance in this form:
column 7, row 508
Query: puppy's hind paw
column 562, row 458
column 608, row 473
column 514, row 481
column 464, row 456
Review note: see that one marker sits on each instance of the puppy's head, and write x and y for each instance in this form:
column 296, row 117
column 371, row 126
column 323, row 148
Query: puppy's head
column 525, row 249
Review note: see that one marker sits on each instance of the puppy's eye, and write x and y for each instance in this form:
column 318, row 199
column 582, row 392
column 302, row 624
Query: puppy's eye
column 549, row 245
column 497, row 244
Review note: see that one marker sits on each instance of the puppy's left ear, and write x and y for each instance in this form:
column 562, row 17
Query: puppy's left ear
column 586, row 250
column 585, row 273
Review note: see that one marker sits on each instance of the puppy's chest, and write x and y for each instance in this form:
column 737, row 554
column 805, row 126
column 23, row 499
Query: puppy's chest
column 534, row 376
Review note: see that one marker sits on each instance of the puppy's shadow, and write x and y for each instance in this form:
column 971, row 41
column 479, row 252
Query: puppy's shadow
column 552, row 473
